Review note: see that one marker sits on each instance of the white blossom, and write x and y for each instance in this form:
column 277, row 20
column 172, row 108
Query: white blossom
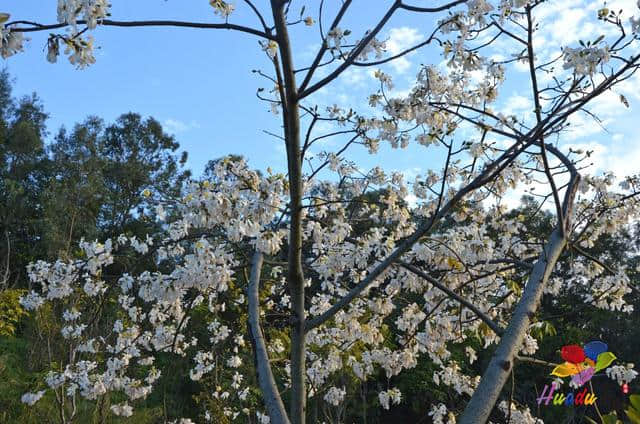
column 335, row 395
column 122, row 409
column 11, row 42
column 387, row 397
column 621, row 373
column 32, row 398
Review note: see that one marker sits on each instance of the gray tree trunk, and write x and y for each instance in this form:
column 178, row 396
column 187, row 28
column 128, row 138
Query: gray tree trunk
column 270, row 394
column 295, row 274
column 486, row 394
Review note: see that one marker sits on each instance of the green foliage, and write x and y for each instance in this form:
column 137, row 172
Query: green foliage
column 611, row 419
column 14, row 378
column 85, row 183
column 633, row 411
column 546, row 329
column 21, row 163
column 10, row 311
column 96, row 175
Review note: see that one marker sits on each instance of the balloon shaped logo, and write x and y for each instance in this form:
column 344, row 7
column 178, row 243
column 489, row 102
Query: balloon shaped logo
column 582, row 362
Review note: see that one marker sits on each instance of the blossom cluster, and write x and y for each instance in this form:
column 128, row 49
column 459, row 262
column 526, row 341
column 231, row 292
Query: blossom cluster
column 11, row 42
column 585, row 61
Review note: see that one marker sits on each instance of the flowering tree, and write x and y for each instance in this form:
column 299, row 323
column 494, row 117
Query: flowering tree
column 366, row 280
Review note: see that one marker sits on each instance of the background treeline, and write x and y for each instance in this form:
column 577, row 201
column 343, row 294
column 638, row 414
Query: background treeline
column 86, row 182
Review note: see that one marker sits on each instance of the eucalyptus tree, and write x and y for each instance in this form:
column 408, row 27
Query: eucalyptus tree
column 97, row 172
column 22, row 152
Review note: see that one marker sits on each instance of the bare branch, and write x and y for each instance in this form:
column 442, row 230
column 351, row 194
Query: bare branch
column 431, row 9
column 323, row 48
column 538, row 112
column 259, row 15
column 535, row 361
column 34, row 27
column 484, row 317
column 353, row 54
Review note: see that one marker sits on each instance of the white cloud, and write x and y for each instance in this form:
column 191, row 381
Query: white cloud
column 569, row 27
column 621, row 155
column 599, row 155
column 518, row 105
column 582, row 125
column 176, row 126
column 411, row 173
column 355, row 76
column 399, row 40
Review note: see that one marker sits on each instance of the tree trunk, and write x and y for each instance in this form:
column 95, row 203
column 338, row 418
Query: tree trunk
column 494, row 378
column 270, row 394
column 295, row 275
column 486, row 394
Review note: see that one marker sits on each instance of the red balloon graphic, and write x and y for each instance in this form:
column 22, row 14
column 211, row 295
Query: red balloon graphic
column 573, row 353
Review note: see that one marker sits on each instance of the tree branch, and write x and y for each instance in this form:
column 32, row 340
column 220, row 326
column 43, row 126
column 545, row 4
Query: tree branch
column 431, row 9
column 535, row 361
column 538, row 112
column 270, row 394
column 152, row 23
column 323, row 48
column 295, row 272
column 486, row 394
column 352, row 55
column 259, row 15
column 484, row 317
column 489, row 173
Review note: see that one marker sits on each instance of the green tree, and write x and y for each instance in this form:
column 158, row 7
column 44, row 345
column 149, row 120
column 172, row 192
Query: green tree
column 22, row 129
column 98, row 174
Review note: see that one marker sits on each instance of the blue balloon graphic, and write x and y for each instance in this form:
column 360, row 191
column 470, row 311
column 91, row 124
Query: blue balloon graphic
column 595, row 348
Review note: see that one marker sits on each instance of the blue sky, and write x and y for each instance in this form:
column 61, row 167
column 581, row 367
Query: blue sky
column 199, row 83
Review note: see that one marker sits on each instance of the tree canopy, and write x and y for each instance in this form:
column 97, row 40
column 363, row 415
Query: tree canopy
column 327, row 292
